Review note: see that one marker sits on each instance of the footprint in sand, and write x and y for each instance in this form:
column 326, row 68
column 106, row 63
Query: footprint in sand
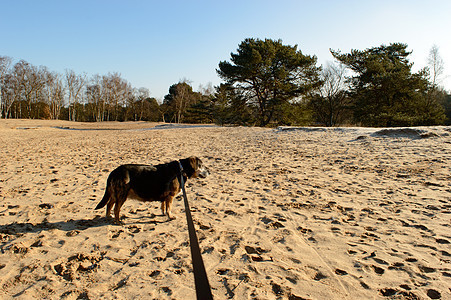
column 223, row 272
column 380, row 261
column 304, row 230
column 277, row 289
column 378, row 270
column 396, row 266
column 116, row 234
column 73, row 233
column 154, row 274
column 433, row 294
column 389, row 292
column 405, row 286
column 134, row 229
column 167, row 290
column 77, row 265
column 319, row 276
column 16, row 249
column 38, row 243
column 426, row 269
column 411, row 259
column 442, row 241
column 256, row 253
column 230, row 213
column 340, row 272
column 80, row 295
column 121, row 283
column 276, row 225
column 270, row 223
column 46, row 206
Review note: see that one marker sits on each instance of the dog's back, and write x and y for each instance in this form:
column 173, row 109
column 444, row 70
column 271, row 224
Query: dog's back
column 153, row 183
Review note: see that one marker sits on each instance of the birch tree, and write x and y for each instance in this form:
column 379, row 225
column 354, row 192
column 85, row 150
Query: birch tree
column 95, row 97
column 31, row 83
column 5, row 64
column 117, row 92
column 436, row 95
column 436, row 66
column 179, row 99
column 74, row 85
column 142, row 95
column 54, row 90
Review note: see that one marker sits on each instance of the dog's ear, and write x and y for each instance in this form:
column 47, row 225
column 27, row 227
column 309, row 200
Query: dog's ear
column 194, row 162
column 189, row 166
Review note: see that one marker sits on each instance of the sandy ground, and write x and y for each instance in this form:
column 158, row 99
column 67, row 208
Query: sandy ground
column 286, row 213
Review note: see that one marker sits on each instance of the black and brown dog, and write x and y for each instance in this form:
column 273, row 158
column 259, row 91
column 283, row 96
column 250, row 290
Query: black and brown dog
column 149, row 183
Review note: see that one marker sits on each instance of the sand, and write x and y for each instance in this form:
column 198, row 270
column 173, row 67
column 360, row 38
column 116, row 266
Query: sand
column 287, row 213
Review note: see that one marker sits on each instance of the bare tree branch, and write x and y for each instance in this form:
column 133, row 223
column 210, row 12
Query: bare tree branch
column 436, row 65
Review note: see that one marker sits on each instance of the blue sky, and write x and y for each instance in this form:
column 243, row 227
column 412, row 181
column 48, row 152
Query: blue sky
column 154, row 44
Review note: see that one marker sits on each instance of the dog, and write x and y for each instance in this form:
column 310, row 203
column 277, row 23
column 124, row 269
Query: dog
column 149, row 183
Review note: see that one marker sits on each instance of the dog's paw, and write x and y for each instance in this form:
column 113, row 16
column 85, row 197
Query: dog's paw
column 118, row 222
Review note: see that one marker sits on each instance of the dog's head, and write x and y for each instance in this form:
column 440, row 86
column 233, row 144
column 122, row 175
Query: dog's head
column 193, row 167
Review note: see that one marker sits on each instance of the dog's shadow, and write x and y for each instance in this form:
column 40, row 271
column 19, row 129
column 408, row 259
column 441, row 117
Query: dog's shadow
column 72, row 225
column 69, row 225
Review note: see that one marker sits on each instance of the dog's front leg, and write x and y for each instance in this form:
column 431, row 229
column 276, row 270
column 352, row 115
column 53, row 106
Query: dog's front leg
column 168, row 203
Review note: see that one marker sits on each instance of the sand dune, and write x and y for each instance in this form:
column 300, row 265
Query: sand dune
column 287, row 213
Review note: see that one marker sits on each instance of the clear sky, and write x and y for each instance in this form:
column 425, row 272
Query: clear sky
column 154, row 44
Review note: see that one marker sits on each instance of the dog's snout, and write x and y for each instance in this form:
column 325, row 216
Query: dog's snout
column 203, row 172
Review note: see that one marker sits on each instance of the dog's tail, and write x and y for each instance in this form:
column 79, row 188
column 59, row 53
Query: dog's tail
column 105, row 199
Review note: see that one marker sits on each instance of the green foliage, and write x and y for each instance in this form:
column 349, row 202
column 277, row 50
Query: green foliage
column 447, row 107
column 147, row 109
column 229, row 107
column 177, row 102
column 385, row 91
column 201, row 112
column 268, row 74
column 295, row 114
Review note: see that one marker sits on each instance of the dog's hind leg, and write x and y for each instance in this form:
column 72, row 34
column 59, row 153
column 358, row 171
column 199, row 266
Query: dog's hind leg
column 121, row 196
column 112, row 194
column 109, row 207
column 117, row 210
column 163, row 206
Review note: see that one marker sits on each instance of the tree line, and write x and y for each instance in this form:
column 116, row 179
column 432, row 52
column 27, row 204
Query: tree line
column 34, row 92
column 265, row 83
